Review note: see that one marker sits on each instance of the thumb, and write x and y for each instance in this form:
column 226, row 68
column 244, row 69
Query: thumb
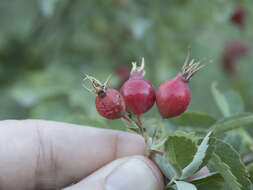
column 135, row 173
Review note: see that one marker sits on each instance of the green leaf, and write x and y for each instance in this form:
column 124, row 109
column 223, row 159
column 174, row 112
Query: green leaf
column 203, row 154
column 240, row 140
column 250, row 169
column 179, row 150
column 168, row 169
column 229, row 102
column 227, row 161
column 233, row 122
column 235, row 101
column 225, row 171
column 220, row 100
column 194, row 120
column 188, row 135
column 182, row 185
column 210, row 181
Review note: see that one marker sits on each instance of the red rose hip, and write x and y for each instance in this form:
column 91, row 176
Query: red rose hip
column 173, row 96
column 109, row 102
column 138, row 93
column 238, row 17
column 233, row 51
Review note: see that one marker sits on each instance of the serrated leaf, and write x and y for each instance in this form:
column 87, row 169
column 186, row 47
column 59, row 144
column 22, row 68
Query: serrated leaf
column 210, row 181
column 182, row 185
column 194, row 120
column 232, row 122
column 229, row 102
column 227, row 161
column 168, row 169
column 179, row 150
column 225, row 171
column 203, row 154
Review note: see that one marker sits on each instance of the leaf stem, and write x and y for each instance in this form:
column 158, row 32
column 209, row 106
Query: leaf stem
column 144, row 134
column 161, row 143
column 131, row 121
column 144, row 130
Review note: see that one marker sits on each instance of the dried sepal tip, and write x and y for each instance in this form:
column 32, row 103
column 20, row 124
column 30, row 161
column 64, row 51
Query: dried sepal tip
column 97, row 87
column 191, row 67
column 138, row 70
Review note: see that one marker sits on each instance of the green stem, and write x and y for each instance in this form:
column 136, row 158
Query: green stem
column 156, row 130
column 144, row 130
column 144, row 133
column 131, row 121
column 160, row 144
column 171, row 182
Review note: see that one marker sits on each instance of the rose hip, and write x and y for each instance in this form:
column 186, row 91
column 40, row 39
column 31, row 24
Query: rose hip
column 109, row 102
column 173, row 96
column 238, row 17
column 138, row 93
column 123, row 73
column 233, row 51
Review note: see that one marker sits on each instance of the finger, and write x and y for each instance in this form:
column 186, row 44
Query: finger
column 39, row 154
column 135, row 173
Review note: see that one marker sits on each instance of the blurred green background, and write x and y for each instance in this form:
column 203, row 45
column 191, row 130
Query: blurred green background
column 46, row 47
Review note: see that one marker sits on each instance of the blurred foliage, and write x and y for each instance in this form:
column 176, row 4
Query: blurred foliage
column 48, row 45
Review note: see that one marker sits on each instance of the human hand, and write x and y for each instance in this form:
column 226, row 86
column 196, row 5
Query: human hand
column 38, row 154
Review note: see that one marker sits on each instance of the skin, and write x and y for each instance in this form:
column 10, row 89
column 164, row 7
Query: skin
column 37, row 154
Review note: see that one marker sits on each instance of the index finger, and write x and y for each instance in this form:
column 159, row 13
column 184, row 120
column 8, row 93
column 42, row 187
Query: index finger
column 36, row 153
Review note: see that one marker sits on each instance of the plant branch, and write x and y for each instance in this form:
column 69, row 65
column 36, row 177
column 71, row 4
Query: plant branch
column 131, row 121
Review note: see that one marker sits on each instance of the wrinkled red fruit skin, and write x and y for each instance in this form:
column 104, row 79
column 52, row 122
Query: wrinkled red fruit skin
column 173, row 97
column 238, row 17
column 110, row 104
column 139, row 95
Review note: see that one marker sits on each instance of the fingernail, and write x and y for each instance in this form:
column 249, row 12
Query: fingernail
column 134, row 174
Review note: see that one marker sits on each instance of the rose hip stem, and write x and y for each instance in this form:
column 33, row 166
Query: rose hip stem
column 139, row 95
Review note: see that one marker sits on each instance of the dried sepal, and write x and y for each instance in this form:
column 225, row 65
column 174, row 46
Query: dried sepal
column 97, row 87
column 138, row 70
column 192, row 67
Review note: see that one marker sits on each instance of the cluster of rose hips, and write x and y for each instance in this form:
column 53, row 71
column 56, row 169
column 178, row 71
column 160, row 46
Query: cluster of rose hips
column 235, row 49
column 137, row 95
